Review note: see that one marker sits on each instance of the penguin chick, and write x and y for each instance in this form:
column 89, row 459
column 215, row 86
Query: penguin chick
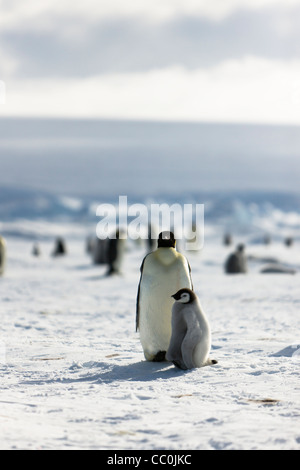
column 191, row 336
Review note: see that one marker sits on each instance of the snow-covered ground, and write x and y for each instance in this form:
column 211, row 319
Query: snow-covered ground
column 73, row 375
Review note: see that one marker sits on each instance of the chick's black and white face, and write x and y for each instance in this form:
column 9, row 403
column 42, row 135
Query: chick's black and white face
column 184, row 298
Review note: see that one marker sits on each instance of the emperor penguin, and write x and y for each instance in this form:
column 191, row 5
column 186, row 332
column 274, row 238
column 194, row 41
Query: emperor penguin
column 36, row 250
column 60, row 247
column 236, row 263
column 116, row 248
column 191, row 335
column 2, row 255
column 163, row 272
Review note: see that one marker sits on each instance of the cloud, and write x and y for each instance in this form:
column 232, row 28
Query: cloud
column 37, row 14
column 247, row 90
column 226, row 60
column 119, row 46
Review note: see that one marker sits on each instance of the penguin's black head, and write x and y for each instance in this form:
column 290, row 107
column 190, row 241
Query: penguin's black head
column 166, row 240
column 185, row 296
column 241, row 248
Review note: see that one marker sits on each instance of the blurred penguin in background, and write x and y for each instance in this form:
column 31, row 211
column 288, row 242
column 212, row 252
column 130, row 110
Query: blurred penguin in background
column 36, row 250
column 227, row 240
column 99, row 251
column 90, row 244
column 289, row 242
column 151, row 241
column 60, row 248
column 116, row 247
column 2, row 255
column 236, row 263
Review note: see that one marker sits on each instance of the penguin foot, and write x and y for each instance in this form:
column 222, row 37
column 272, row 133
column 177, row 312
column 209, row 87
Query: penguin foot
column 211, row 362
column 179, row 365
column 160, row 356
column 112, row 272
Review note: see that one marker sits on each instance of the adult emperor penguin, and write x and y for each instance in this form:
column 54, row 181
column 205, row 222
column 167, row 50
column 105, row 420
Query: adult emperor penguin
column 2, row 255
column 237, row 262
column 116, row 247
column 163, row 272
column 191, row 336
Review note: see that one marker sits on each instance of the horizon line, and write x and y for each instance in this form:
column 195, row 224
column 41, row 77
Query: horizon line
column 149, row 120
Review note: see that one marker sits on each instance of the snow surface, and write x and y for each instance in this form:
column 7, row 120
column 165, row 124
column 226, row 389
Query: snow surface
column 73, row 374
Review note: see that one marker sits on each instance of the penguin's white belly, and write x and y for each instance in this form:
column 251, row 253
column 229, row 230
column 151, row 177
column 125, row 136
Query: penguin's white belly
column 155, row 316
column 155, row 322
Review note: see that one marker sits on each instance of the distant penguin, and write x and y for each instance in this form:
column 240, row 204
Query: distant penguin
column 267, row 240
column 236, row 263
column 60, row 248
column 227, row 240
column 277, row 269
column 90, row 244
column 190, row 343
column 289, row 241
column 150, row 239
column 115, row 254
column 163, row 272
column 99, row 251
column 36, row 250
column 2, row 256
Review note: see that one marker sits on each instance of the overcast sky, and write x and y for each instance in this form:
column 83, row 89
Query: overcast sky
column 208, row 60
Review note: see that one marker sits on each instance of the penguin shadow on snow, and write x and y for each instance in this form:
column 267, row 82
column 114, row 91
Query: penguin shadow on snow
column 107, row 373
column 98, row 274
column 84, row 267
column 92, row 277
column 98, row 277
column 142, row 371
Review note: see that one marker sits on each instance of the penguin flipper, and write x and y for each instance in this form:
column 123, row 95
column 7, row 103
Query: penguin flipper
column 137, row 318
column 190, row 273
column 191, row 339
column 188, row 347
